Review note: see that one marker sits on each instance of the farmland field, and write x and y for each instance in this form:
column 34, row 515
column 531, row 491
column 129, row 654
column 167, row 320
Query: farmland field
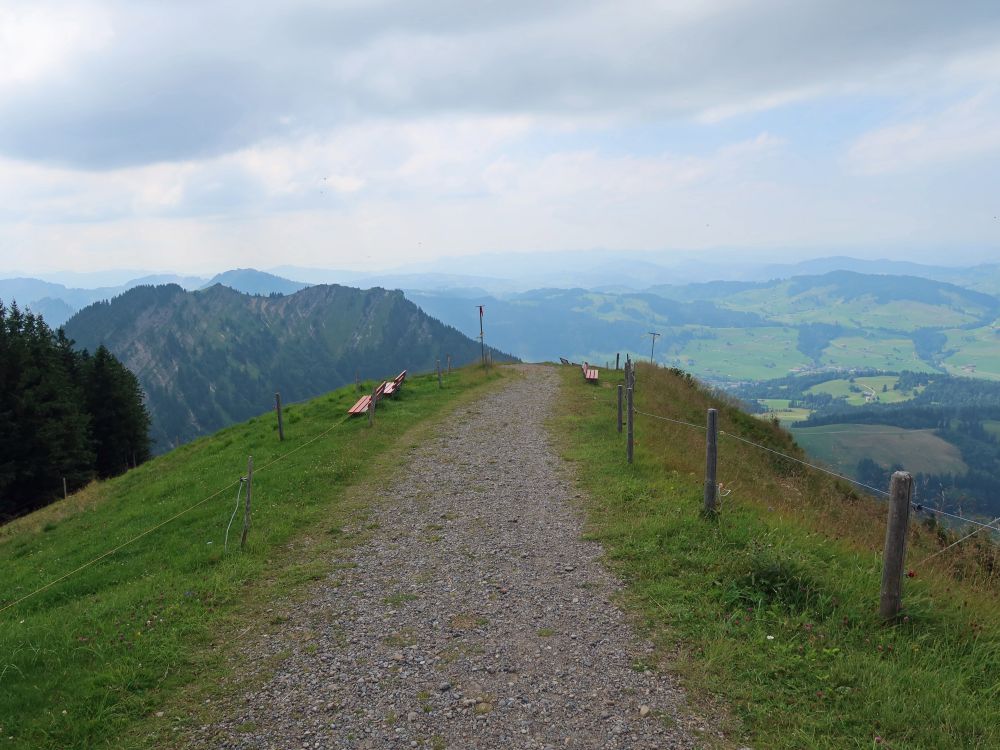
column 739, row 353
column 778, row 407
column 843, row 445
column 977, row 352
column 877, row 353
column 841, row 387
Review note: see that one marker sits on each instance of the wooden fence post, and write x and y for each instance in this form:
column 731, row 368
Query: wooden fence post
column 617, row 360
column 439, row 374
column 891, row 597
column 449, row 364
column 371, row 408
column 246, row 507
column 621, row 389
column 277, row 408
column 711, row 460
column 631, row 422
column 65, row 493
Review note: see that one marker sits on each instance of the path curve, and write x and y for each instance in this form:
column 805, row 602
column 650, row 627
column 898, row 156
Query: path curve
column 476, row 617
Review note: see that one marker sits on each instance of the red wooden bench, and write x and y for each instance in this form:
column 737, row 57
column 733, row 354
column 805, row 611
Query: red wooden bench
column 364, row 402
column 589, row 373
column 395, row 384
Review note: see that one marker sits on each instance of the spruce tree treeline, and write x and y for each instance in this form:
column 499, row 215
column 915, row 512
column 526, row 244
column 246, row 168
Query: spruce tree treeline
column 63, row 413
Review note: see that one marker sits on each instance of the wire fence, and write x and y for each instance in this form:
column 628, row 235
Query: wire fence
column 174, row 517
column 715, row 489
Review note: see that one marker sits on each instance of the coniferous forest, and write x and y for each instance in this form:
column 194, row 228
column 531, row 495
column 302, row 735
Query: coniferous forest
column 63, row 414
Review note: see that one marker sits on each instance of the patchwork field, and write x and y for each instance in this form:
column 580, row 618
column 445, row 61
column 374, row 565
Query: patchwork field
column 779, row 408
column 844, row 445
column 869, row 387
column 977, row 352
column 874, row 352
column 739, row 353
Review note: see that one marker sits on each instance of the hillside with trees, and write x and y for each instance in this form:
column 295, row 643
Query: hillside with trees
column 64, row 413
column 209, row 358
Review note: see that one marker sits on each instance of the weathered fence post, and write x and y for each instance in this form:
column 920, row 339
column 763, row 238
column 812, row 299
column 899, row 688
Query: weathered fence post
column 711, row 460
column 246, row 506
column 277, row 408
column 891, row 598
column 371, row 408
column 621, row 389
column 617, row 360
column 65, row 493
column 631, row 423
column 439, row 374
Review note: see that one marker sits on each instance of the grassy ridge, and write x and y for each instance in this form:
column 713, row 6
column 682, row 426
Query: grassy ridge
column 774, row 604
column 87, row 662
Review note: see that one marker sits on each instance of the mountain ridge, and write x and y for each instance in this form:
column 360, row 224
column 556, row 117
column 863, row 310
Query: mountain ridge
column 215, row 356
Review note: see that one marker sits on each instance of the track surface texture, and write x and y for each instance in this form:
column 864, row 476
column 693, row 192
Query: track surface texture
column 476, row 615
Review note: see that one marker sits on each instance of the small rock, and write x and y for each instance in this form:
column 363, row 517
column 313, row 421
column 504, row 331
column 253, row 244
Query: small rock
column 644, row 711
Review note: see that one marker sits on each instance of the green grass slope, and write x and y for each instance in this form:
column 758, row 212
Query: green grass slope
column 90, row 661
column 771, row 608
column 842, row 446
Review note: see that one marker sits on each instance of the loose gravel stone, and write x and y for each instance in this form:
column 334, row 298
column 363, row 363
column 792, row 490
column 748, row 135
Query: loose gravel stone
column 476, row 615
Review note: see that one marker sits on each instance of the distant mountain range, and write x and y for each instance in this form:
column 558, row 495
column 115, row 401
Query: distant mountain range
column 212, row 357
column 743, row 330
column 57, row 303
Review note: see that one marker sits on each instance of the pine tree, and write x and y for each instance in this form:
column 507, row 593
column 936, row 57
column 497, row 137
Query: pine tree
column 120, row 421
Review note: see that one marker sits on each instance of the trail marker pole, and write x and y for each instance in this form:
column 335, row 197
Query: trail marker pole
column 621, row 390
column 891, row 596
column 711, row 460
column 277, row 408
column 482, row 337
column 246, row 507
column 654, row 334
column 631, row 423
column 439, row 374
column 65, row 493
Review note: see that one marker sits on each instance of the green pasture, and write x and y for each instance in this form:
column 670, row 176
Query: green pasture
column 875, row 352
column 844, row 445
column 780, row 409
column 739, row 353
column 871, row 386
column 977, row 352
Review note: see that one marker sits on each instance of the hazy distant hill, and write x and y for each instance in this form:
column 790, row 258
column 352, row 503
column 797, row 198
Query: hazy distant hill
column 57, row 302
column 212, row 357
column 546, row 324
column 739, row 330
column 252, row 281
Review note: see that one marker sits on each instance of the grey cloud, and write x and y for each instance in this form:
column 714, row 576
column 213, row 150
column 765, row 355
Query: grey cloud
column 190, row 80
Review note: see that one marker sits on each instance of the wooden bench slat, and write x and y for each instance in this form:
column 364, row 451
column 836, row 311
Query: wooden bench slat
column 361, row 406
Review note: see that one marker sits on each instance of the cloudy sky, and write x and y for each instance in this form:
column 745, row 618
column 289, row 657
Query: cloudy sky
column 195, row 136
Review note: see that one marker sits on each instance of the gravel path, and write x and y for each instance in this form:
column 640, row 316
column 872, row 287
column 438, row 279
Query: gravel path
column 476, row 616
